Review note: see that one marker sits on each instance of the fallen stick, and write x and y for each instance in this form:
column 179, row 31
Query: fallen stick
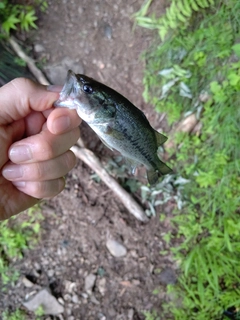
column 189, row 124
column 29, row 61
column 93, row 162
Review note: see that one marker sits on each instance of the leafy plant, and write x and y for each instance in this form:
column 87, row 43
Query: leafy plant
column 14, row 238
column 16, row 315
column 14, row 16
column 151, row 315
column 39, row 312
column 177, row 15
column 196, row 70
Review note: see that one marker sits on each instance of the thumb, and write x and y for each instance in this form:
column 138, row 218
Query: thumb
column 21, row 96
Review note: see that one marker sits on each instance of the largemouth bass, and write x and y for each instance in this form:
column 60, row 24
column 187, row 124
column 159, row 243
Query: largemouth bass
column 118, row 123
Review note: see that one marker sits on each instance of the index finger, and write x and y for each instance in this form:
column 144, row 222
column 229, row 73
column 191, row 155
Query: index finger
column 21, row 96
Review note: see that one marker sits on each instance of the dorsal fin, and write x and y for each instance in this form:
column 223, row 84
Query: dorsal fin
column 160, row 138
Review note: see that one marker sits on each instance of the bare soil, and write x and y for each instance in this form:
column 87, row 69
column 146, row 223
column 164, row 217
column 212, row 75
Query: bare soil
column 99, row 37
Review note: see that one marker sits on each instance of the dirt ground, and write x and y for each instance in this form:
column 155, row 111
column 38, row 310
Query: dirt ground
column 99, row 37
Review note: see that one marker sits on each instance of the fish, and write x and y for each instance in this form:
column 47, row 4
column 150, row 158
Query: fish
column 118, row 123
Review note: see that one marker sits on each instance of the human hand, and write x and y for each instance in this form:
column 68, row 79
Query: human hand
column 34, row 142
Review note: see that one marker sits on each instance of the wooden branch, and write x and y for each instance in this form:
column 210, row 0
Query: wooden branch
column 93, row 162
column 188, row 125
column 29, row 61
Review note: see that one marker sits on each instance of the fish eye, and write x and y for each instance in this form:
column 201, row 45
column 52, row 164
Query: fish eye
column 87, row 88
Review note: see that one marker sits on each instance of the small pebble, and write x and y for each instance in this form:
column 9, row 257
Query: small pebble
column 47, row 301
column 89, row 283
column 61, row 301
column 102, row 286
column 94, row 300
column 27, row 283
column 50, row 273
column 38, row 48
column 67, row 297
column 107, row 30
column 75, row 299
column 115, row 248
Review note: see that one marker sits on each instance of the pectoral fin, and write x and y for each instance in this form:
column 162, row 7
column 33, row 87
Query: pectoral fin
column 105, row 143
column 132, row 164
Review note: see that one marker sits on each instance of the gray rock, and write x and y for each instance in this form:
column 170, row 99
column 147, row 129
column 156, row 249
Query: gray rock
column 50, row 273
column 57, row 73
column 167, row 276
column 89, row 283
column 94, row 300
column 102, row 286
column 69, row 286
column 27, row 283
column 61, row 301
column 84, row 295
column 130, row 314
column 39, row 48
column 107, row 31
column 115, row 248
column 75, row 299
column 48, row 302
column 101, row 316
column 67, row 297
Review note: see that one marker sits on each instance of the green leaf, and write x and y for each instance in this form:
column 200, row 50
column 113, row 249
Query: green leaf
column 234, row 79
column 236, row 49
column 2, row 5
column 10, row 23
column 27, row 20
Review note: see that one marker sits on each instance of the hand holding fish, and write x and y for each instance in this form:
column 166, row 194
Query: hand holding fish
column 35, row 140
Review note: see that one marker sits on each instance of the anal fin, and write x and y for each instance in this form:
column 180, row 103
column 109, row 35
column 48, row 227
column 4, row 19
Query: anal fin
column 153, row 175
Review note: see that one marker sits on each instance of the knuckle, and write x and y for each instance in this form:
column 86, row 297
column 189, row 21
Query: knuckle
column 19, row 85
column 70, row 159
column 38, row 172
column 75, row 134
column 47, row 189
column 44, row 149
column 37, row 189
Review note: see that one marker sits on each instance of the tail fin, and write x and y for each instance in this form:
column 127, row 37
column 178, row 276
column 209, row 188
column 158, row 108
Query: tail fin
column 153, row 175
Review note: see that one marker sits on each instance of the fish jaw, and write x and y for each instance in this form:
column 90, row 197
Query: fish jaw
column 73, row 97
column 70, row 92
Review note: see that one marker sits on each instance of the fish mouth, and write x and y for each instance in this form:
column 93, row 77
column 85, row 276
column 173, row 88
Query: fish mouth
column 69, row 92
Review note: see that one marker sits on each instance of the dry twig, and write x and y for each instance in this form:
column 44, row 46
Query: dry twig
column 189, row 124
column 93, row 162
column 29, row 61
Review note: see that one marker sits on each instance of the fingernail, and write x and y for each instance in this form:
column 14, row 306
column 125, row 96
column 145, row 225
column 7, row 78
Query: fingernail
column 54, row 88
column 61, row 124
column 20, row 153
column 19, row 184
column 12, row 172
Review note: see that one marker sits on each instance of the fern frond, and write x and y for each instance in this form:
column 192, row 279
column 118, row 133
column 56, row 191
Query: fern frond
column 179, row 13
column 194, row 5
